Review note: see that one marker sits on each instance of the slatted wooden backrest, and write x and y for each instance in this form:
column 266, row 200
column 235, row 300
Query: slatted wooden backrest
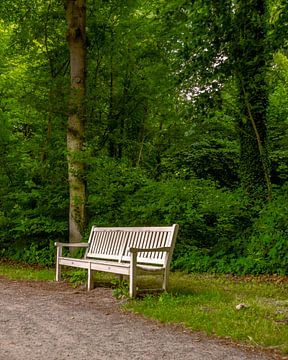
column 106, row 243
column 114, row 243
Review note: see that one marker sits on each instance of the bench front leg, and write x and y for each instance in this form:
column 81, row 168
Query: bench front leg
column 165, row 280
column 132, row 276
column 58, row 266
column 90, row 283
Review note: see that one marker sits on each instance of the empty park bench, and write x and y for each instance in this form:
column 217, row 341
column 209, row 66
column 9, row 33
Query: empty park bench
column 129, row 251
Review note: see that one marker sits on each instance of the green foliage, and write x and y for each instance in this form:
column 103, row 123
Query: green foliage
column 44, row 256
column 30, row 218
column 219, row 230
column 76, row 277
column 208, row 216
column 121, row 289
column 210, row 157
column 269, row 240
column 128, row 101
column 110, row 184
column 278, row 118
column 33, row 190
column 263, row 250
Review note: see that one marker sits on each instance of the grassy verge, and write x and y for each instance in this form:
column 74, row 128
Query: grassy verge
column 19, row 271
column 208, row 303
column 203, row 303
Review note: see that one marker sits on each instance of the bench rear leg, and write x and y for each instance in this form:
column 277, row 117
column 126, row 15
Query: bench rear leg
column 165, row 280
column 90, row 282
column 132, row 275
column 58, row 272
column 58, row 266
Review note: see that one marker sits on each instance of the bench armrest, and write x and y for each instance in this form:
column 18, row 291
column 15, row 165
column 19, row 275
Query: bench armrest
column 58, row 244
column 160, row 249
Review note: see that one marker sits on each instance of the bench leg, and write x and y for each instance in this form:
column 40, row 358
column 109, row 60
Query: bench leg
column 90, row 283
column 58, row 266
column 165, row 280
column 58, row 272
column 132, row 276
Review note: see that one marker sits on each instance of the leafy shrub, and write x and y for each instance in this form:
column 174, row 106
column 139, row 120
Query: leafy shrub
column 76, row 277
column 34, row 254
column 196, row 260
column 207, row 159
column 269, row 240
column 219, row 230
column 209, row 218
column 33, row 218
column 261, row 250
column 110, row 183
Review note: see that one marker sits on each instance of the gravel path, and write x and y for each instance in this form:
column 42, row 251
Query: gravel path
column 53, row 321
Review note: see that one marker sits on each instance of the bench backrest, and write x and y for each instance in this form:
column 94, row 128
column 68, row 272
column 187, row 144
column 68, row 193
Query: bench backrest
column 114, row 243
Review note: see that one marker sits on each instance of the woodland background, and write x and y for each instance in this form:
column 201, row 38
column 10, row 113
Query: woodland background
column 181, row 114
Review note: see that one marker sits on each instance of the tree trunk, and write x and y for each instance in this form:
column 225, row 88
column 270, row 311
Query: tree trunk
column 76, row 21
column 251, row 57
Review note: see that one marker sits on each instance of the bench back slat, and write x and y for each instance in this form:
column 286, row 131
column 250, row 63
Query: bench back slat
column 114, row 243
column 151, row 239
column 105, row 243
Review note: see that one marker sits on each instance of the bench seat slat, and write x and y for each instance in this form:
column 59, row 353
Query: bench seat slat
column 81, row 263
column 108, row 265
column 153, row 269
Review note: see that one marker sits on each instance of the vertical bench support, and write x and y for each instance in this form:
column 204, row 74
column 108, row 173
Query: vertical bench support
column 132, row 282
column 165, row 280
column 58, row 266
column 90, row 283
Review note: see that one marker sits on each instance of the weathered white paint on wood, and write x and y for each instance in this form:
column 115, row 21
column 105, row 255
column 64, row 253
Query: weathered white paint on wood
column 129, row 251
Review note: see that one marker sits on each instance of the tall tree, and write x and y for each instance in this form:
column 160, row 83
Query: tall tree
column 250, row 56
column 129, row 87
column 76, row 37
column 220, row 41
column 32, row 138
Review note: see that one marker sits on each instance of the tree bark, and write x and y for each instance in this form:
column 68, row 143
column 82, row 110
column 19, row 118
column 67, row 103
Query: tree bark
column 251, row 57
column 76, row 38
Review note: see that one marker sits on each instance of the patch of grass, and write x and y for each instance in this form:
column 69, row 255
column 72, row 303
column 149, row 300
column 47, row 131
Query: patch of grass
column 208, row 303
column 78, row 277
column 75, row 276
column 19, row 271
column 15, row 270
column 121, row 288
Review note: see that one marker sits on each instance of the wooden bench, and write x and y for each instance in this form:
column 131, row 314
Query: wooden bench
column 129, row 251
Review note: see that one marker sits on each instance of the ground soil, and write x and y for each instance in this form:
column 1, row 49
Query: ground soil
column 49, row 321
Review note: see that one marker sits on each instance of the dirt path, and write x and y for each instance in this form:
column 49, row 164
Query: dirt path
column 52, row 321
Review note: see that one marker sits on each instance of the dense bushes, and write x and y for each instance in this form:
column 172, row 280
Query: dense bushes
column 219, row 230
column 263, row 249
column 33, row 217
column 268, row 245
